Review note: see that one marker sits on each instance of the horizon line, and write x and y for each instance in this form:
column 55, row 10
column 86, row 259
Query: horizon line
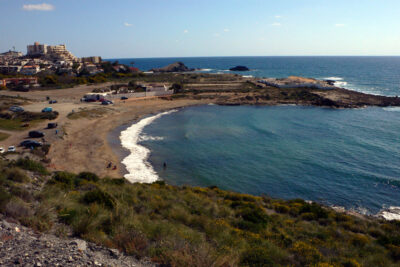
column 109, row 58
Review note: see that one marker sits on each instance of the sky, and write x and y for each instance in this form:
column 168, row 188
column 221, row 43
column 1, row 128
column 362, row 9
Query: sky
column 191, row 28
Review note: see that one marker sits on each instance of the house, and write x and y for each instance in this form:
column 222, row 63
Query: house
column 30, row 70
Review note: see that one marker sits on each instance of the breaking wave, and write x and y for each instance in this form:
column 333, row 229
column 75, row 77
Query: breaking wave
column 137, row 165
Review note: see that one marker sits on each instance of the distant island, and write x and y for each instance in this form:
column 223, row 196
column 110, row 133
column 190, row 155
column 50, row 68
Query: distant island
column 174, row 67
column 239, row 68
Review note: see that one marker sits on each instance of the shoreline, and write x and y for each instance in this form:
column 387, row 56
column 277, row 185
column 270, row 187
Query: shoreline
column 391, row 213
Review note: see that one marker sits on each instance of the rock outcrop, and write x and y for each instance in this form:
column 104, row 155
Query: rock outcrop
column 239, row 68
column 174, row 67
column 21, row 246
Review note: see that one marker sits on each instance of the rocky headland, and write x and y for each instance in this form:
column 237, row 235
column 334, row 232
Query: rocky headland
column 174, row 67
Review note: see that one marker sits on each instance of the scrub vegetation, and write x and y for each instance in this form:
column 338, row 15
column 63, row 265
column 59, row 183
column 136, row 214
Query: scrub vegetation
column 193, row 226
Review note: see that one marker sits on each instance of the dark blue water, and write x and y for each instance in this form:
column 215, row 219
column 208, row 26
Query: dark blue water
column 376, row 75
column 349, row 158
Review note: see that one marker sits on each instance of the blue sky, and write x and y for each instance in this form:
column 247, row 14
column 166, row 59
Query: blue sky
column 172, row 28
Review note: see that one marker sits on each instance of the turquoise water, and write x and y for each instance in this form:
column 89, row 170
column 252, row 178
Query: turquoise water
column 376, row 75
column 349, row 158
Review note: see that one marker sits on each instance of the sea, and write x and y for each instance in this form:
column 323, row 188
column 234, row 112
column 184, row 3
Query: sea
column 347, row 158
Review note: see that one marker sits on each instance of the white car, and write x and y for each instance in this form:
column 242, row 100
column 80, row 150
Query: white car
column 11, row 149
column 2, row 150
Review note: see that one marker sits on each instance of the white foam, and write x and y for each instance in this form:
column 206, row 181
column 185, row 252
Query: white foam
column 150, row 138
column 206, row 69
column 334, row 78
column 392, row 109
column 137, row 165
column 247, row 76
column 390, row 214
column 340, row 84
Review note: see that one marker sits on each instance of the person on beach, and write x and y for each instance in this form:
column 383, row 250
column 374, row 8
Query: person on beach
column 109, row 165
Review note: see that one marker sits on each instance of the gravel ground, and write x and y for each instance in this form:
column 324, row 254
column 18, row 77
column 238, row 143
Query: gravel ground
column 21, row 246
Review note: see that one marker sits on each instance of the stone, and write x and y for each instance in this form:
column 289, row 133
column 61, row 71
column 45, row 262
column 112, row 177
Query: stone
column 239, row 68
column 174, row 67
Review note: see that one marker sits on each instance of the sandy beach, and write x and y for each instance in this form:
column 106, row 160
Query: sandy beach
column 86, row 145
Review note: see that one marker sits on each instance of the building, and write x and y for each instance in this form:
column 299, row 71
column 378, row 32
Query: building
column 94, row 60
column 53, row 52
column 19, row 81
column 9, row 69
column 30, row 70
column 37, row 49
column 11, row 54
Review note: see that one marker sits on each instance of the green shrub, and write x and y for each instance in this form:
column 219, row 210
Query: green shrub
column 67, row 215
column 256, row 257
column 99, row 197
column 68, row 179
column 306, row 254
column 88, row 176
column 31, row 165
column 16, row 175
column 4, row 198
column 359, row 240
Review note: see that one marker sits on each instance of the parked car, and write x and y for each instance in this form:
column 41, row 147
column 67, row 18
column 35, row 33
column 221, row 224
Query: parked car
column 2, row 150
column 52, row 101
column 35, row 134
column 47, row 109
column 52, row 125
column 106, row 102
column 11, row 149
column 124, row 98
column 31, row 143
column 25, row 143
column 16, row 109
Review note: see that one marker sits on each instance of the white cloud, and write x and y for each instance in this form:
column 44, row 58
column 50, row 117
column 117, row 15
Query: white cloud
column 217, row 35
column 276, row 24
column 340, row 25
column 278, row 16
column 126, row 24
column 186, row 31
column 39, row 7
column 227, row 30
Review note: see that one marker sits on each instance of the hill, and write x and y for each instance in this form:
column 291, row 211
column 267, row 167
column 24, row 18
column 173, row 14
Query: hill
column 192, row 226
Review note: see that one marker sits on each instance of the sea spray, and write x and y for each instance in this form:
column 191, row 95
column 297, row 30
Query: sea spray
column 139, row 169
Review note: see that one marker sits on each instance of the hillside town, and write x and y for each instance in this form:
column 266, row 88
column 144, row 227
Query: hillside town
column 20, row 69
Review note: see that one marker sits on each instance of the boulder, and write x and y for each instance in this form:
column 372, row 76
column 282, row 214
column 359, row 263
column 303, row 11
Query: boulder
column 174, row 67
column 239, row 68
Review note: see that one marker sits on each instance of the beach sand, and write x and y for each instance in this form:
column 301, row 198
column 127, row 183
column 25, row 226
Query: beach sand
column 90, row 144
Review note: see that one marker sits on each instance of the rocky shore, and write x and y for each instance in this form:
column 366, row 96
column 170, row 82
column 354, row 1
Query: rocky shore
column 21, row 246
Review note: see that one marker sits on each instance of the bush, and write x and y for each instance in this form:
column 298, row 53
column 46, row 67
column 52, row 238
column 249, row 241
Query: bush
column 4, row 198
column 16, row 175
column 68, row 179
column 359, row 240
column 306, row 254
column 256, row 257
column 16, row 208
column 31, row 165
column 88, row 176
column 99, row 197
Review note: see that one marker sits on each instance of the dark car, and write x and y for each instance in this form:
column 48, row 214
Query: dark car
column 106, row 102
column 124, row 98
column 25, row 143
column 35, row 134
column 31, row 143
column 52, row 101
column 52, row 125
column 16, row 109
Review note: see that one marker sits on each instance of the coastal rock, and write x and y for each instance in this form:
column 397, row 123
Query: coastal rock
column 25, row 247
column 239, row 68
column 174, row 67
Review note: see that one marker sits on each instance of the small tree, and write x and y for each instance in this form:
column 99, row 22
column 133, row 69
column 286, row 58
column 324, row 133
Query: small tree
column 177, row 87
